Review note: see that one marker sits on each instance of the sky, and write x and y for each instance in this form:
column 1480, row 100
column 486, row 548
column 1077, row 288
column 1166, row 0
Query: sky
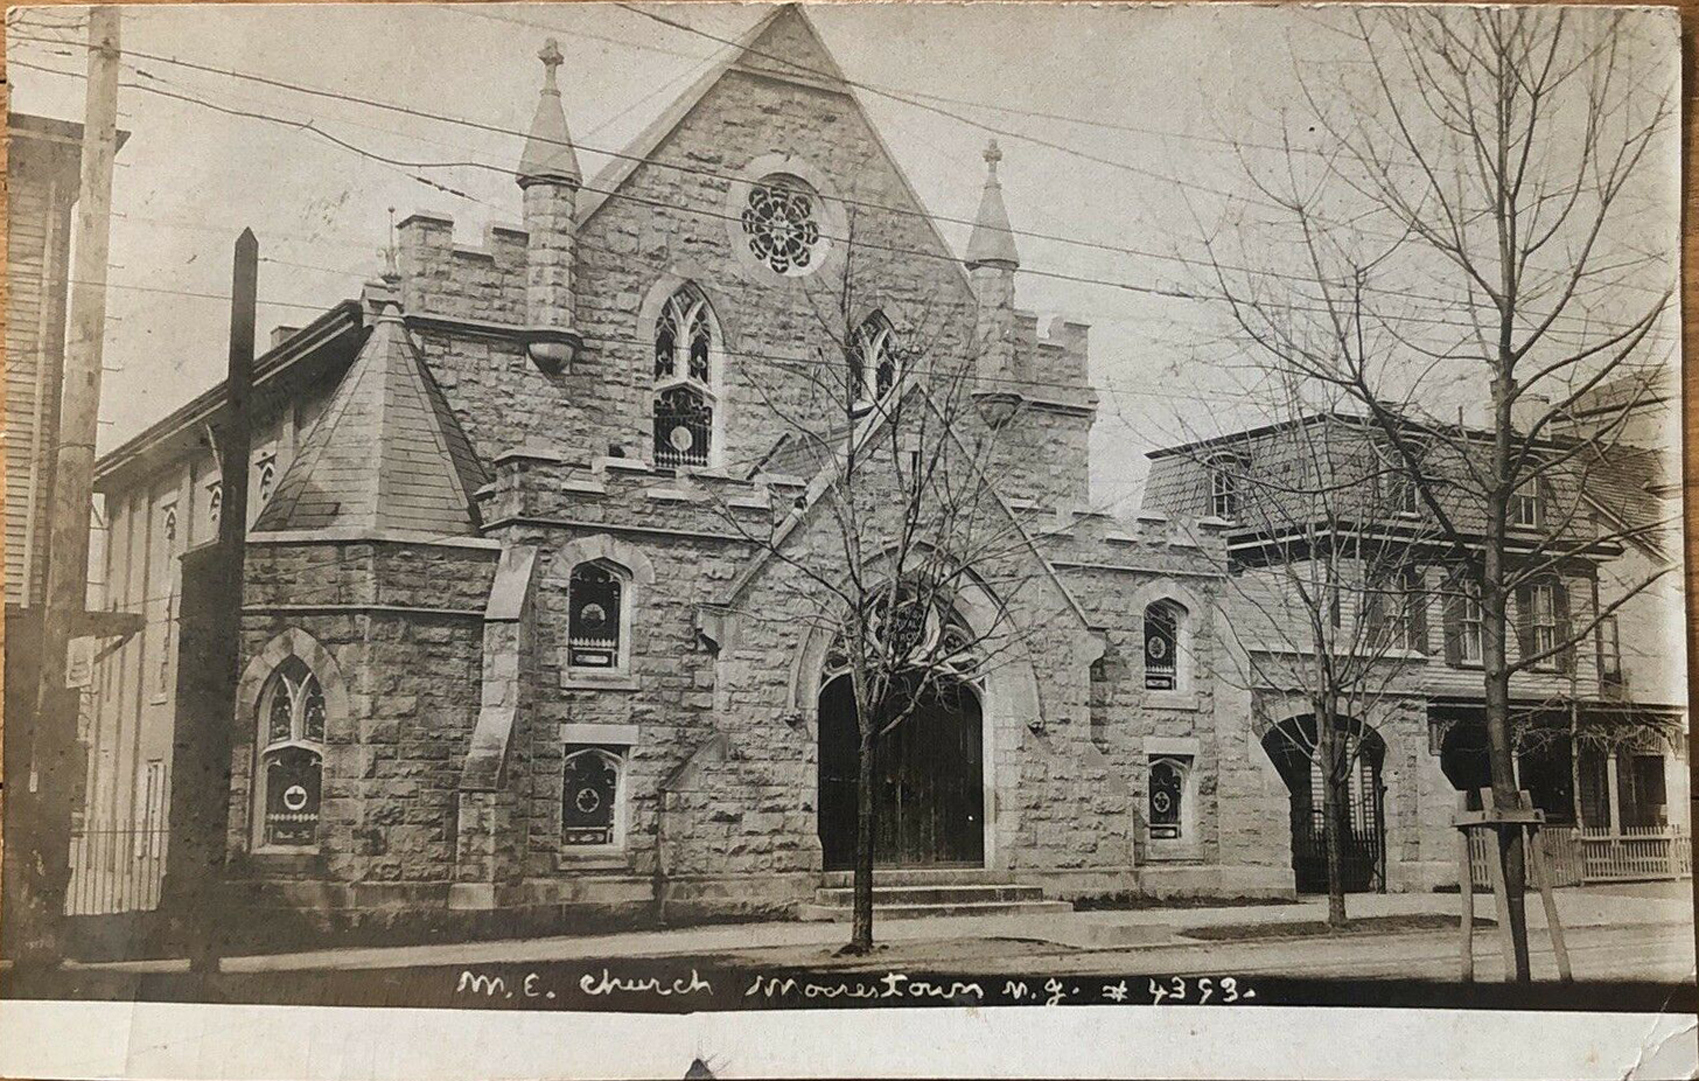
column 1124, row 127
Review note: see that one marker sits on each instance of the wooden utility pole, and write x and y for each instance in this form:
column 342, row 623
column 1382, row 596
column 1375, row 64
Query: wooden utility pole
column 54, row 785
column 211, row 635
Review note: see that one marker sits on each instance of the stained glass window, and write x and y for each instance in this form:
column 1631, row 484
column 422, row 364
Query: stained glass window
column 685, row 349
column 593, row 617
column 268, row 476
column 589, row 797
column 780, row 219
column 873, row 362
column 684, row 425
column 1167, row 791
column 1161, row 647
column 214, row 503
column 291, row 762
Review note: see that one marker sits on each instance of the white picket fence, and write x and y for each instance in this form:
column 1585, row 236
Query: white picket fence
column 1600, row 854
column 1635, row 852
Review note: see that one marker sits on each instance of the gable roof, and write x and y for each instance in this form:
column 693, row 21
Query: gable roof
column 785, row 32
column 827, row 461
column 387, row 455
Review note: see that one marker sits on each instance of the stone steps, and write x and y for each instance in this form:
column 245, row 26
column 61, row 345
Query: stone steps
column 909, row 894
column 920, row 876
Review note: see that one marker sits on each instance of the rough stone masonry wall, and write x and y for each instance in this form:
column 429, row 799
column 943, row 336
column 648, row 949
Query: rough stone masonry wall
column 392, row 764
column 673, row 227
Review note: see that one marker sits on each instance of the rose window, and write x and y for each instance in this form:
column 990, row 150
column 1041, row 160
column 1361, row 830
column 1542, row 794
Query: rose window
column 781, row 220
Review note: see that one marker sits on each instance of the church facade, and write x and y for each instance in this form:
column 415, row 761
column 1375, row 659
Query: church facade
column 508, row 646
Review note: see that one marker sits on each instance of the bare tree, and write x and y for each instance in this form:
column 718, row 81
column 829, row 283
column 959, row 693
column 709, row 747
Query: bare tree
column 892, row 439
column 1458, row 219
column 1327, row 584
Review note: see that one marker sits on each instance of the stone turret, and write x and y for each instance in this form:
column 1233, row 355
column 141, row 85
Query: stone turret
column 549, row 179
column 991, row 262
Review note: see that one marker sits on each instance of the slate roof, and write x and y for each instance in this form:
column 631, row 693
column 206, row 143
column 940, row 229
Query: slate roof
column 386, row 456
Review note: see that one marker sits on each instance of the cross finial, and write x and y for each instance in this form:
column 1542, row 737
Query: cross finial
column 551, row 57
column 993, row 155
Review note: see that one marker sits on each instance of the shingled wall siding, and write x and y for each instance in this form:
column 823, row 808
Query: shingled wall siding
column 392, row 766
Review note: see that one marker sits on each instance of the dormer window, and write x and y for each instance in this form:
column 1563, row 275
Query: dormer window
column 1527, row 506
column 1224, row 494
column 687, row 360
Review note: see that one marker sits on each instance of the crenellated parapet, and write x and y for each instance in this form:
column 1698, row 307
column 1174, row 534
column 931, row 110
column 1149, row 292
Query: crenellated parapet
column 545, row 485
column 444, row 279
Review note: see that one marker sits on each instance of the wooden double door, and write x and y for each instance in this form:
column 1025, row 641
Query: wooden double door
column 928, row 782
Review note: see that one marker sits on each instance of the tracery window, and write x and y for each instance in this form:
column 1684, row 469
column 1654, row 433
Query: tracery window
column 171, row 527
column 872, row 361
column 596, row 617
column 686, row 358
column 1166, row 797
column 214, row 504
column 292, row 732
column 592, row 795
column 781, row 221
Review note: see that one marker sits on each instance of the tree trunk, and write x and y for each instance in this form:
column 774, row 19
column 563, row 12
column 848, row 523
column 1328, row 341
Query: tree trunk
column 861, row 933
column 1327, row 748
column 1494, row 636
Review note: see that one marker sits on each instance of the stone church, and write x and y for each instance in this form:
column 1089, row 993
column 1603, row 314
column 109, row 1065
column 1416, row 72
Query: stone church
column 504, row 650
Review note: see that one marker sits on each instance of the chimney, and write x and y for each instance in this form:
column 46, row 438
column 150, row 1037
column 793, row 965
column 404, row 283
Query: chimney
column 549, row 179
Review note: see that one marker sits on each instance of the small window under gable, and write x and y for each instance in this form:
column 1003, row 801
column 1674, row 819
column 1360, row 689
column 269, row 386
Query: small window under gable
column 873, row 366
column 596, row 617
column 687, row 360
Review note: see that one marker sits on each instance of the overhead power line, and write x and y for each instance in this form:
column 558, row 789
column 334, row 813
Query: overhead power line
column 1076, row 278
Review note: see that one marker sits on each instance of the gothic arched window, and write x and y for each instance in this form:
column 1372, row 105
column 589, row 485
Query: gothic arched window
column 1165, row 646
column 872, row 361
column 597, row 617
column 214, row 504
column 592, row 798
column 687, row 359
column 291, row 760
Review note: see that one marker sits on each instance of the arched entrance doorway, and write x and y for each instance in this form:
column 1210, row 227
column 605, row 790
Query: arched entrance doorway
column 1362, row 815
column 928, row 780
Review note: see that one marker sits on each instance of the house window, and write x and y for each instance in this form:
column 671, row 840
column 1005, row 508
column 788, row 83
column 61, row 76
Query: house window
column 292, row 732
column 687, row 359
column 1224, row 496
column 1167, row 799
column 592, row 798
column 781, row 223
column 1527, row 510
column 1164, row 626
column 1393, row 486
column 872, row 362
column 596, row 617
column 1397, row 611
column 1466, row 635
column 1542, row 623
column 1610, row 651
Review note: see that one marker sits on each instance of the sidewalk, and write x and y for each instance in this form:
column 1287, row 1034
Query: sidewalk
column 1593, row 906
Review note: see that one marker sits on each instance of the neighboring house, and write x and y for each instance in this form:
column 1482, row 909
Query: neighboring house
column 1422, row 732
column 502, row 652
column 42, row 174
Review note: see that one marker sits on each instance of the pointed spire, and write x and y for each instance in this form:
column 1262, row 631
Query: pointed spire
column 992, row 244
column 548, row 152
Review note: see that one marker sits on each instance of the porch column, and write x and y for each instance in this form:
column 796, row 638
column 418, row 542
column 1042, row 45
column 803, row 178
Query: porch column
column 1612, row 795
